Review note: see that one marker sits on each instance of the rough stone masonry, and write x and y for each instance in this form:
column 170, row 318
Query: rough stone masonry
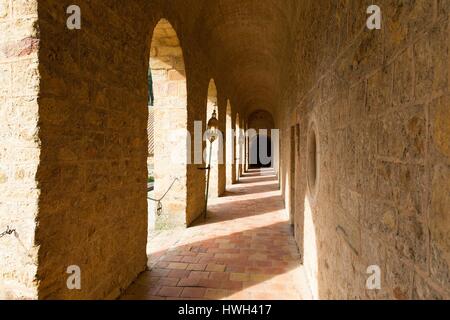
column 373, row 105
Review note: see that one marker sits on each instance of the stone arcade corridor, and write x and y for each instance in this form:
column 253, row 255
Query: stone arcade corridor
column 244, row 250
column 105, row 104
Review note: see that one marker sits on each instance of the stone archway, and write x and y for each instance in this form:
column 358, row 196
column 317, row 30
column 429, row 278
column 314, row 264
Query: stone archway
column 168, row 102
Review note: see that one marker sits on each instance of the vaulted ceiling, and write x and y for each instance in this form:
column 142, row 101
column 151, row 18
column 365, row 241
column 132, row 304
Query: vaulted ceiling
column 246, row 41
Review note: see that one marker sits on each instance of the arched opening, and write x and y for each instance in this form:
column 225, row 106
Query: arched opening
column 214, row 147
column 166, row 129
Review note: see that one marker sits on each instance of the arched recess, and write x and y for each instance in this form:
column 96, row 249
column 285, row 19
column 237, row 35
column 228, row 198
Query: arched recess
column 212, row 105
column 229, row 145
column 168, row 105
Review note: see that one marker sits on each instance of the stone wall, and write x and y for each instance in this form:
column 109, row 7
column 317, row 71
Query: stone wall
column 238, row 147
column 19, row 147
column 234, row 149
column 222, row 147
column 93, row 131
column 380, row 102
column 243, row 154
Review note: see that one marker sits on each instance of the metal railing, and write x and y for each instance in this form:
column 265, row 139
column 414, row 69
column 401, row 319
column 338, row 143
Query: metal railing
column 159, row 201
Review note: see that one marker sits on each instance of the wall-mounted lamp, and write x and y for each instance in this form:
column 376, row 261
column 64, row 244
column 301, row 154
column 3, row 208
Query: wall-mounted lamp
column 213, row 127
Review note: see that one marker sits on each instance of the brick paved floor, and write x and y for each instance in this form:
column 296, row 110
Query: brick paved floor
column 244, row 250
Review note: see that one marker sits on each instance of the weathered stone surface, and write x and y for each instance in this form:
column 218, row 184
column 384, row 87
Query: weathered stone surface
column 403, row 78
column 19, row 151
column 440, row 125
column 379, row 91
column 408, row 126
column 73, row 151
column 423, row 291
column 389, row 141
column 439, row 223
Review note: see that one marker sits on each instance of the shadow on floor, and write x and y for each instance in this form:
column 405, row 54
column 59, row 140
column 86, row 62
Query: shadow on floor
column 244, row 250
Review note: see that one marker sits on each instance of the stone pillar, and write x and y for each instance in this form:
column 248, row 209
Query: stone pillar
column 242, row 148
column 222, row 174
column 238, row 149
column 229, row 145
column 247, row 149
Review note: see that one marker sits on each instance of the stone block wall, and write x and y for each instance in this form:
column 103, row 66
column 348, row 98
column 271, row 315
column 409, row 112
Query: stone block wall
column 380, row 102
column 93, row 130
column 19, row 147
column 234, row 149
column 222, row 148
column 229, row 155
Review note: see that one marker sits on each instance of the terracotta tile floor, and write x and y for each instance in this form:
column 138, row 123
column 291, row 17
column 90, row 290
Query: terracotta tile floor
column 244, row 250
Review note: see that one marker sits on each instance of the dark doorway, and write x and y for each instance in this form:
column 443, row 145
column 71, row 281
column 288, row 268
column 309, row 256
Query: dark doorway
column 261, row 152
